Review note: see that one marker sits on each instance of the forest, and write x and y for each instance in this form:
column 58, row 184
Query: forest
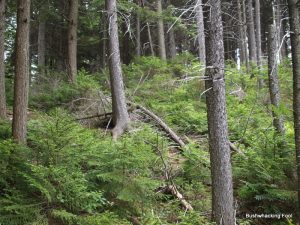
column 149, row 112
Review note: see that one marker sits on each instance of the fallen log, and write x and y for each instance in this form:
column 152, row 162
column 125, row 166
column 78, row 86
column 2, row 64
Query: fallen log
column 179, row 196
column 163, row 125
column 95, row 116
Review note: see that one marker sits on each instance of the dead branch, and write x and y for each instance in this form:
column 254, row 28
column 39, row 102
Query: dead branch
column 163, row 125
column 95, row 116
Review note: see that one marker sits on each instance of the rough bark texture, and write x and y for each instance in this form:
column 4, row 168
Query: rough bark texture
column 72, row 40
column 21, row 85
column 42, row 43
column 273, row 78
column 2, row 66
column 138, row 32
column 103, row 42
column 251, row 32
column 244, row 22
column 258, row 42
column 295, row 43
column 161, row 32
column 150, row 39
column 120, row 113
column 258, row 32
column 222, row 192
column 274, row 88
column 242, row 41
column 172, row 44
column 200, row 31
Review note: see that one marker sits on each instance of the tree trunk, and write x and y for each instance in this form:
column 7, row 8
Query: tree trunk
column 295, row 44
column 2, row 64
column 242, row 41
column 161, row 32
column 244, row 22
column 274, row 88
column 138, row 33
column 251, row 32
column 172, row 44
column 258, row 32
column 72, row 40
column 21, row 85
column 42, row 44
column 222, row 190
column 103, row 42
column 120, row 114
column 150, row 39
column 258, row 42
column 200, row 31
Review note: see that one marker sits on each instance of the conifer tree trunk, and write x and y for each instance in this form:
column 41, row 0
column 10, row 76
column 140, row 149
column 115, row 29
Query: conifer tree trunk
column 222, row 190
column 150, row 39
column 295, row 44
column 2, row 66
column 251, row 32
column 200, row 31
column 274, row 88
column 258, row 41
column 258, row 32
column 161, row 32
column 103, row 42
column 120, row 114
column 42, row 43
column 72, row 40
column 138, row 32
column 172, row 44
column 21, row 85
column 242, row 41
column 244, row 22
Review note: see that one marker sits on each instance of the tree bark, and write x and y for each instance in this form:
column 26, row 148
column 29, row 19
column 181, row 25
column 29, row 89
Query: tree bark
column 244, row 22
column 251, row 32
column 2, row 64
column 200, row 31
column 172, row 44
column 258, row 42
column 21, row 85
column 222, row 190
column 242, row 41
column 72, row 40
column 120, row 114
column 138, row 33
column 295, row 44
column 150, row 39
column 42, row 43
column 161, row 32
column 274, row 88
column 258, row 32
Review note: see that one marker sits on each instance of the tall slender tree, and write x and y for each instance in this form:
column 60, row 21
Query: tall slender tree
column 2, row 65
column 200, row 31
column 42, row 41
column 21, row 84
column 138, row 32
column 242, row 41
column 251, row 31
column 274, row 88
column 72, row 40
column 295, row 44
column 161, row 32
column 258, row 41
column 120, row 114
column 222, row 191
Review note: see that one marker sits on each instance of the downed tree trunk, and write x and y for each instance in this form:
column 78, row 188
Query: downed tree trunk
column 172, row 134
column 177, row 194
column 166, row 128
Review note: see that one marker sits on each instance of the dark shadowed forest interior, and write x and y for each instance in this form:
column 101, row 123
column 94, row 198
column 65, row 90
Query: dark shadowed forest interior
column 149, row 112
